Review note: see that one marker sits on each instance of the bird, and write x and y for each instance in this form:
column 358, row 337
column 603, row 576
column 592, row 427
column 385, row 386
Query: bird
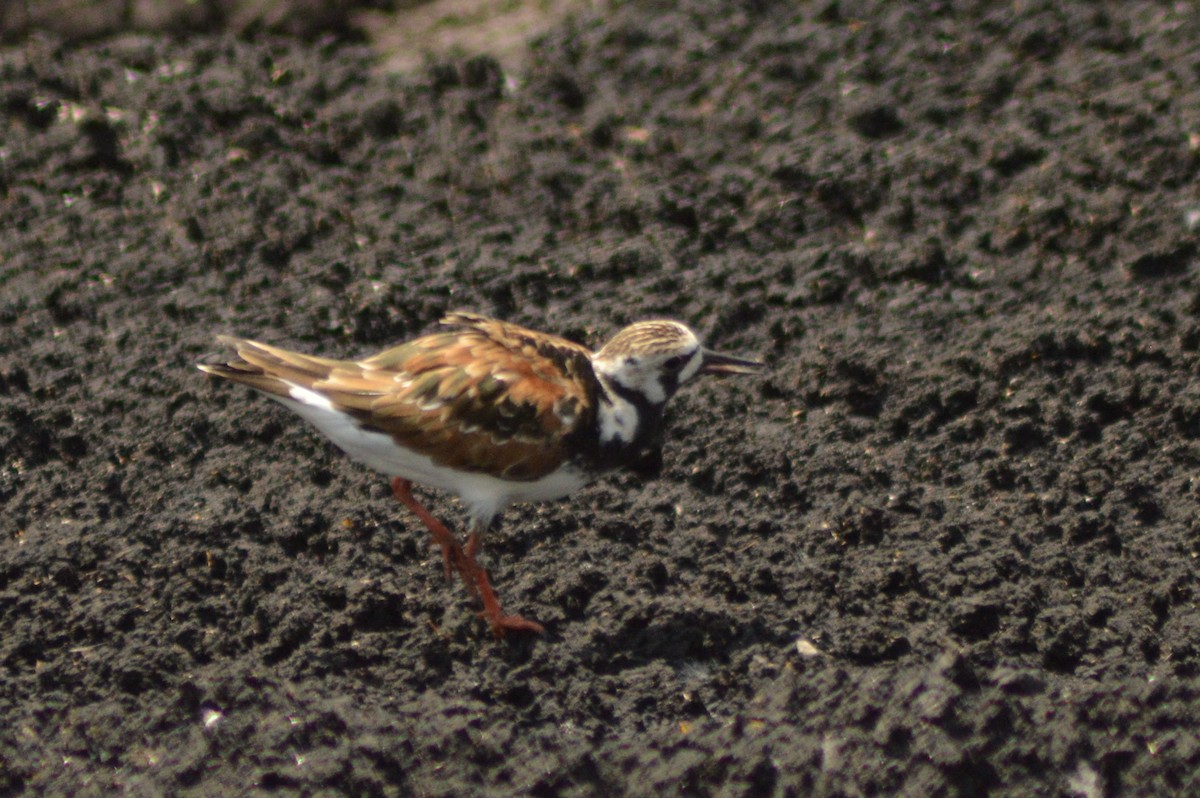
column 489, row 411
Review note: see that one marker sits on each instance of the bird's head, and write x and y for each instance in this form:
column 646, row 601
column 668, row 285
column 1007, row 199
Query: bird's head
column 654, row 358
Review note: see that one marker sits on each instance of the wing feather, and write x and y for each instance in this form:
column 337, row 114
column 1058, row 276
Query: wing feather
column 486, row 396
column 482, row 395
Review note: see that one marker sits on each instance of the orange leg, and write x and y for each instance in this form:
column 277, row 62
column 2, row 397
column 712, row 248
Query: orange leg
column 455, row 558
column 500, row 622
column 452, row 553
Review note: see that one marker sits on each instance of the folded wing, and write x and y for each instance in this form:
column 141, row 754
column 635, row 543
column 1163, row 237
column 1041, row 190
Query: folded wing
column 482, row 395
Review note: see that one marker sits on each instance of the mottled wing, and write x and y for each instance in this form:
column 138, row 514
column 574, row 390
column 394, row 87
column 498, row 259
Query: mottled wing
column 483, row 396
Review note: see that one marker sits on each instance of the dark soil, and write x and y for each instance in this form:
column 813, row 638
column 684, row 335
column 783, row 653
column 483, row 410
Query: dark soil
column 948, row 546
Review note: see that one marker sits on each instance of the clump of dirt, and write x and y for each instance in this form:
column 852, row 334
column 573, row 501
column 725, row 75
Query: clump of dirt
column 946, row 546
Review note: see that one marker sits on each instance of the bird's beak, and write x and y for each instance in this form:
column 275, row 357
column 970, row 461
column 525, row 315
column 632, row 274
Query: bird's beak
column 725, row 364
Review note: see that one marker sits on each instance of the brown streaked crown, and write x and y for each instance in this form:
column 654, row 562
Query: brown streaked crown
column 655, row 337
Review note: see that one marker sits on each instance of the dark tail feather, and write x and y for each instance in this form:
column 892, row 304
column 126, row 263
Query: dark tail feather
column 269, row 369
column 249, row 375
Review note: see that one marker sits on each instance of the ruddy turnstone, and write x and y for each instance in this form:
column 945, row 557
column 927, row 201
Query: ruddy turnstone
column 489, row 411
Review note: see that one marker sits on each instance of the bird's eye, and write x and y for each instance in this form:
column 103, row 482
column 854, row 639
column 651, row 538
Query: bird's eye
column 676, row 363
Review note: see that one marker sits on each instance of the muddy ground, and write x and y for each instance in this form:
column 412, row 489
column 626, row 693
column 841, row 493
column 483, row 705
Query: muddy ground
column 946, row 547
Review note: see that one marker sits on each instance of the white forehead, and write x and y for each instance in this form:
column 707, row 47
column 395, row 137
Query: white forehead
column 693, row 366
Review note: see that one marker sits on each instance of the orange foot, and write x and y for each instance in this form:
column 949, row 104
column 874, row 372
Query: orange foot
column 456, row 559
column 501, row 623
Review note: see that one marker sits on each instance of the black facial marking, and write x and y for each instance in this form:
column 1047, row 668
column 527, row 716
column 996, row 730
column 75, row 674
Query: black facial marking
column 617, row 453
column 648, row 464
column 676, row 363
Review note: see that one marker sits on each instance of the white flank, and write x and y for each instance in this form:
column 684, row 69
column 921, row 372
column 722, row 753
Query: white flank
column 310, row 397
column 483, row 495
